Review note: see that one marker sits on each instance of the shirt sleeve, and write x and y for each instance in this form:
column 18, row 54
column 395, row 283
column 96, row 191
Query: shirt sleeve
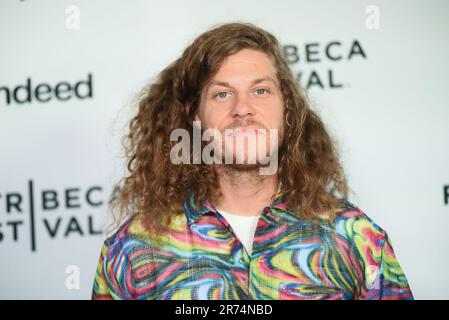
column 394, row 284
column 106, row 283
column 384, row 278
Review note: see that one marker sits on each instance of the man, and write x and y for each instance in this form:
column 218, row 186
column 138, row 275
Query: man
column 198, row 229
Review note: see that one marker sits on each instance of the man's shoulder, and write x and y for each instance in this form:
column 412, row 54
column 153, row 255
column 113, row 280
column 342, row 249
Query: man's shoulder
column 132, row 235
column 124, row 230
column 352, row 222
column 129, row 236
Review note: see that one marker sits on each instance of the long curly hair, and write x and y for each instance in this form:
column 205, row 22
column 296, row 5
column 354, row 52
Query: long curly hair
column 309, row 169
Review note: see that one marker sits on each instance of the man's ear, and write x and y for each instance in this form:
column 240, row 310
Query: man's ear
column 187, row 106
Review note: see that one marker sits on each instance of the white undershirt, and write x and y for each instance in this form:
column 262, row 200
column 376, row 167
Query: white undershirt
column 243, row 226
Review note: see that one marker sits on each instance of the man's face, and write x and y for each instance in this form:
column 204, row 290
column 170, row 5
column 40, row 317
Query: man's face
column 243, row 95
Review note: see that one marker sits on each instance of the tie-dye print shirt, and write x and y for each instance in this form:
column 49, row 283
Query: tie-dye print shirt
column 201, row 258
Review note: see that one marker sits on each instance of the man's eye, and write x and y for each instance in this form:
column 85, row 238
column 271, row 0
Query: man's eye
column 221, row 95
column 261, row 91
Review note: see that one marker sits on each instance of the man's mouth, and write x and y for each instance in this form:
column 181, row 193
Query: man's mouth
column 238, row 131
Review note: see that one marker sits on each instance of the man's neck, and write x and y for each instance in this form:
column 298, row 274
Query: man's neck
column 245, row 192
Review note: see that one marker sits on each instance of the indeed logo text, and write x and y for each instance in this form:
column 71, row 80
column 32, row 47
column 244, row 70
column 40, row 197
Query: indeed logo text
column 30, row 91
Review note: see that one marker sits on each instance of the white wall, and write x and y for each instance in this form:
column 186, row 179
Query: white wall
column 390, row 117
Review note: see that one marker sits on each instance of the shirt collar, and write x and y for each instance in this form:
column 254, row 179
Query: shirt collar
column 193, row 212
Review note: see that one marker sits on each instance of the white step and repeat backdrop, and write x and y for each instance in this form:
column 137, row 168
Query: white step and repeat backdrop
column 376, row 71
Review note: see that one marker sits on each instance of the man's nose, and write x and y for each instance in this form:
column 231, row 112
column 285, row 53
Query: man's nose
column 243, row 107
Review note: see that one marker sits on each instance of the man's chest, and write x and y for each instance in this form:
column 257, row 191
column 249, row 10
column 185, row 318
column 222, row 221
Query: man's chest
column 291, row 262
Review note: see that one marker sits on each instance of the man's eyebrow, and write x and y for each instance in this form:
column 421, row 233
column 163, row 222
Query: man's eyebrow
column 255, row 81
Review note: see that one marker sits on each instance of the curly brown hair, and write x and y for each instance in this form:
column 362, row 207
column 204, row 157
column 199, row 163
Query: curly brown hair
column 309, row 169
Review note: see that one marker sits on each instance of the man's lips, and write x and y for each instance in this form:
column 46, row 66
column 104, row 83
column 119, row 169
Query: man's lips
column 242, row 130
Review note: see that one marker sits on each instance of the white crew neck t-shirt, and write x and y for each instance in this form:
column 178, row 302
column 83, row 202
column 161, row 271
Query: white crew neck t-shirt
column 243, row 226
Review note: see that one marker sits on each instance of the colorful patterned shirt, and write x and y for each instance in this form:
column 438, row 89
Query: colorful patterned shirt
column 292, row 258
